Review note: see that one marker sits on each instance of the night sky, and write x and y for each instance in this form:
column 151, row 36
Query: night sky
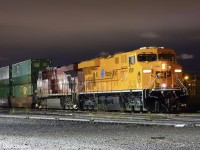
column 75, row 30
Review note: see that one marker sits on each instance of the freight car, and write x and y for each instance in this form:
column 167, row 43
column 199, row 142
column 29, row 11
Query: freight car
column 5, row 89
column 146, row 79
column 18, row 82
column 24, row 79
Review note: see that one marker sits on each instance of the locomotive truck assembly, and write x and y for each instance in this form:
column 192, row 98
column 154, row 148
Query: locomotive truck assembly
column 146, row 79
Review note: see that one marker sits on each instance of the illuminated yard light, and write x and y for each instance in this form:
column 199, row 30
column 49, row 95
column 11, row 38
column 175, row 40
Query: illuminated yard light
column 186, row 77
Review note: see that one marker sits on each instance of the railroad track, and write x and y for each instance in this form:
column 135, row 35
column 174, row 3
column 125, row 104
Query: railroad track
column 177, row 120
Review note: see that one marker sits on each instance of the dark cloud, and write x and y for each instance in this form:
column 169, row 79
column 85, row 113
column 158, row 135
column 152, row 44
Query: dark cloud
column 149, row 35
column 186, row 56
column 4, row 59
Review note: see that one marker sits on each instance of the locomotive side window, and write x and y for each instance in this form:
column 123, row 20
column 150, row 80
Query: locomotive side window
column 169, row 57
column 146, row 57
column 131, row 60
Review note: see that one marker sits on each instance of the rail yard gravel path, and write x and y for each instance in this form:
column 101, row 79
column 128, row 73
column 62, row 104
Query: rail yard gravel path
column 37, row 134
column 176, row 120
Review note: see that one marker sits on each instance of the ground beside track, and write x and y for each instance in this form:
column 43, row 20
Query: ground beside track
column 31, row 134
column 177, row 120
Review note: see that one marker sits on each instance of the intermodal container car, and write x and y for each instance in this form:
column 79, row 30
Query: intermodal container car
column 4, row 86
column 22, row 95
column 24, row 81
column 27, row 71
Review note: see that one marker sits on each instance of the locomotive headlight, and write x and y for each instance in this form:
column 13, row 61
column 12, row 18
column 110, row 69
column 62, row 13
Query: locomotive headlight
column 147, row 71
column 163, row 66
column 163, row 85
column 177, row 70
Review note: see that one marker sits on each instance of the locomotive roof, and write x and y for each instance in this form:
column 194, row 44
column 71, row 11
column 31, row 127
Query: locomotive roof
column 140, row 50
column 149, row 49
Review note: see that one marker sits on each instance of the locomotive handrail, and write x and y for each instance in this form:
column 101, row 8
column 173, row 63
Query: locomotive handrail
column 81, row 86
column 182, row 84
column 145, row 89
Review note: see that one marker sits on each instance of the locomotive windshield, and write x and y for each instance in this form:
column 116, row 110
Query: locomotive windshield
column 169, row 57
column 146, row 57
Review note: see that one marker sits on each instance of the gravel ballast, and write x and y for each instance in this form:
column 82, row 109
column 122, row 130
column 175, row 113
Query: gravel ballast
column 34, row 134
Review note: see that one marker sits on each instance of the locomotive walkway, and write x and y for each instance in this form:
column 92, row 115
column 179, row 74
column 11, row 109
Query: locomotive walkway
column 148, row 119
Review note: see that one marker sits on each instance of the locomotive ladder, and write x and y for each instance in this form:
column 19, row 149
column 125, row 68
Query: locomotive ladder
column 145, row 89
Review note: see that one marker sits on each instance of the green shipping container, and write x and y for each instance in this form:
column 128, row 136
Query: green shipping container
column 23, row 90
column 25, row 102
column 4, row 92
column 4, row 76
column 27, row 71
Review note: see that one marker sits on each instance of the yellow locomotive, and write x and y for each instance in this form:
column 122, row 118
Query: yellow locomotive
column 146, row 79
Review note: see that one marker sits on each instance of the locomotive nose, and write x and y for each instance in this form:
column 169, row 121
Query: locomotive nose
column 163, row 73
column 165, row 66
column 168, row 75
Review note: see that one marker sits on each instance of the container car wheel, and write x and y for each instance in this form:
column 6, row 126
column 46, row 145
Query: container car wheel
column 62, row 103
